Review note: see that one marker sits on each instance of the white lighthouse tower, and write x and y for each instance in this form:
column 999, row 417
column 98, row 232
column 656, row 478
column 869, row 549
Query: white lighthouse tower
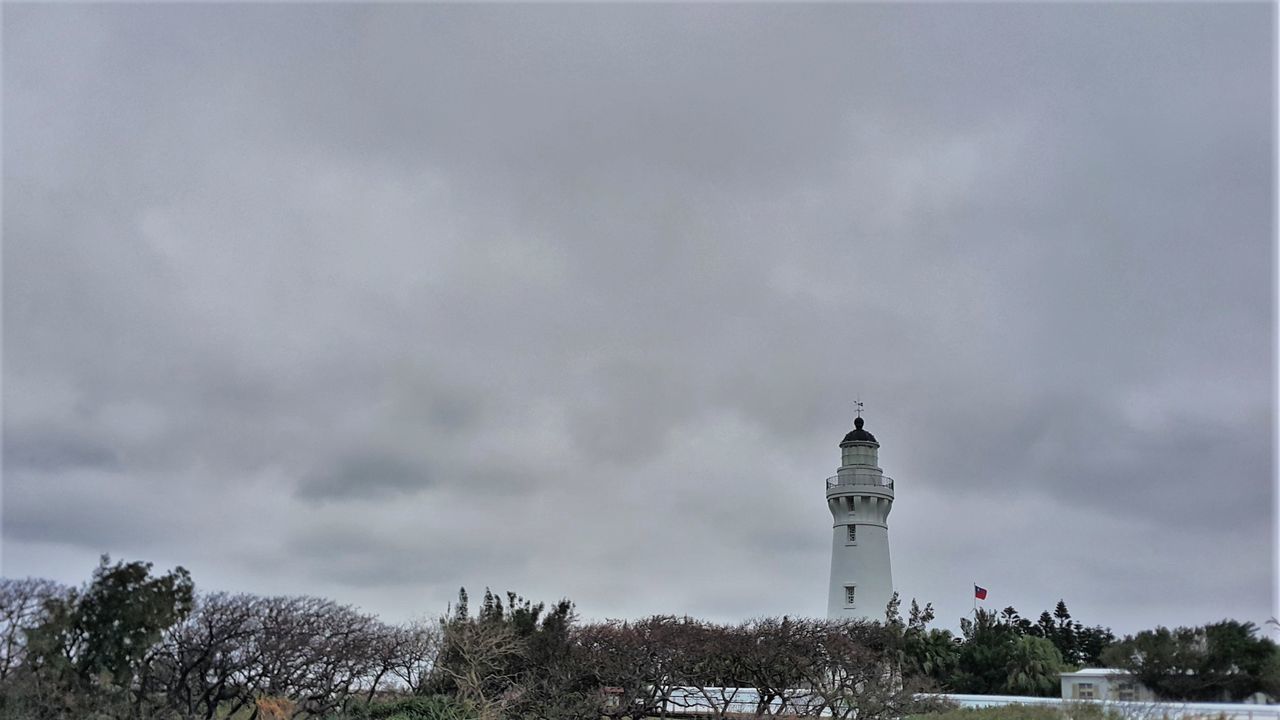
column 860, row 497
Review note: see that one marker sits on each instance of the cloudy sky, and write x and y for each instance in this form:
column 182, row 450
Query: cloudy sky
column 373, row 302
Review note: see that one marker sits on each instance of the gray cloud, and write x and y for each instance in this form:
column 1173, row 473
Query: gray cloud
column 365, row 558
column 364, row 475
column 89, row 509
column 377, row 301
column 53, row 450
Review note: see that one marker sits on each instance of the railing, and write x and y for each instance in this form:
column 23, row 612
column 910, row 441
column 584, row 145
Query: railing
column 878, row 480
column 1124, row 708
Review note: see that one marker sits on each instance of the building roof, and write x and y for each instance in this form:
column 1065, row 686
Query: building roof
column 1095, row 672
column 858, row 434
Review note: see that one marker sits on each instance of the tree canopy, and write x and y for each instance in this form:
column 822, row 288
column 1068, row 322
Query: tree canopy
column 1222, row 661
column 133, row 643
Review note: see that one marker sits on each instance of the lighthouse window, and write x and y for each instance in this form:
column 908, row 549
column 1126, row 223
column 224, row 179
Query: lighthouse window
column 853, row 533
column 848, row 594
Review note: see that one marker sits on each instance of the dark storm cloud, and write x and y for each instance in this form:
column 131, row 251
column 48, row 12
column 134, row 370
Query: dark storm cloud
column 378, row 301
column 53, row 450
column 357, row 558
column 364, row 475
column 91, row 510
column 1089, row 454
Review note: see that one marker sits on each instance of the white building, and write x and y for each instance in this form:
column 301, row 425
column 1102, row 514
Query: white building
column 1104, row 684
column 860, row 497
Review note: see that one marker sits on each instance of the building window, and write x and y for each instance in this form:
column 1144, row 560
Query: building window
column 1127, row 691
column 853, row 533
column 1084, row 691
column 848, row 595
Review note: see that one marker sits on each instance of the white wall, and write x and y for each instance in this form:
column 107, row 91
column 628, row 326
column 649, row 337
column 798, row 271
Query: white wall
column 1104, row 687
column 1135, row 710
column 864, row 565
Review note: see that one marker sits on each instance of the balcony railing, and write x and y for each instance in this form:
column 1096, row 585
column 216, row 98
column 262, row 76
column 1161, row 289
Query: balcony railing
column 877, row 480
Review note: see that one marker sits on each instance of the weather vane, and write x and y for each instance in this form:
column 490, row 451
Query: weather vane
column 858, row 404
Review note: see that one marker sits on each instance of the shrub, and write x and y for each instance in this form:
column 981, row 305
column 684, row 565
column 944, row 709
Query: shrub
column 275, row 708
column 431, row 707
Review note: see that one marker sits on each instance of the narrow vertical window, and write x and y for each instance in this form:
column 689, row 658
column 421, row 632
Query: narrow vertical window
column 853, row 533
column 848, row 595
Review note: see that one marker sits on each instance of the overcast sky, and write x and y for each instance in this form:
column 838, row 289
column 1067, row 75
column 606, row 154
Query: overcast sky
column 373, row 302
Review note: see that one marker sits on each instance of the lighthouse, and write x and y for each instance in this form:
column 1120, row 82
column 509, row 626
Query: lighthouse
column 860, row 497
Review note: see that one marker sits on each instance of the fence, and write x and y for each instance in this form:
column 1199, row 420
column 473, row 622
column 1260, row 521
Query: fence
column 694, row 702
column 1136, row 710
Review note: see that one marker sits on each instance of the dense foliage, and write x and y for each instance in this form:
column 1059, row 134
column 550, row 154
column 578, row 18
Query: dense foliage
column 131, row 643
column 87, row 650
column 1224, row 661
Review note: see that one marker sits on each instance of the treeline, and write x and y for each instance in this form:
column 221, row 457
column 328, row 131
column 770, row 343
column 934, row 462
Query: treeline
column 1004, row 653
column 130, row 645
column 134, row 644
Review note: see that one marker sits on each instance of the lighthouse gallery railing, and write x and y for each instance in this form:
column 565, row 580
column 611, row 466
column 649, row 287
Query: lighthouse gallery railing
column 877, row 480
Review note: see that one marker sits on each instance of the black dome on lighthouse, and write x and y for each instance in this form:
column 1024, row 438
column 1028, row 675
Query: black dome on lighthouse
column 858, row 434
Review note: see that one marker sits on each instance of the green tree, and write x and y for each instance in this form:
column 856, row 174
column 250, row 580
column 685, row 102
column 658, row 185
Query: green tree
column 1080, row 646
column 514, row 659
column 984, row 655
column 922, row 653
column 1002, row 656
column 1032, row 667
column 1223, row 661
column 95, row 642
column 1091, row 642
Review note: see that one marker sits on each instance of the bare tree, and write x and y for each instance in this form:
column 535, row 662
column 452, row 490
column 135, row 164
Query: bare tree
column 315, row 651
column 478, row 663
column 853, row 673
column 211, row 659
column 627, row 662
column 658, row 665
column 22, row 607
column 711, row 660
column 408, row 654
column 779, row 656
column 321, row 656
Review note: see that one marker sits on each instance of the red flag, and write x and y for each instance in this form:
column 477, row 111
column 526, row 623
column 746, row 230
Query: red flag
column 980, row 592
